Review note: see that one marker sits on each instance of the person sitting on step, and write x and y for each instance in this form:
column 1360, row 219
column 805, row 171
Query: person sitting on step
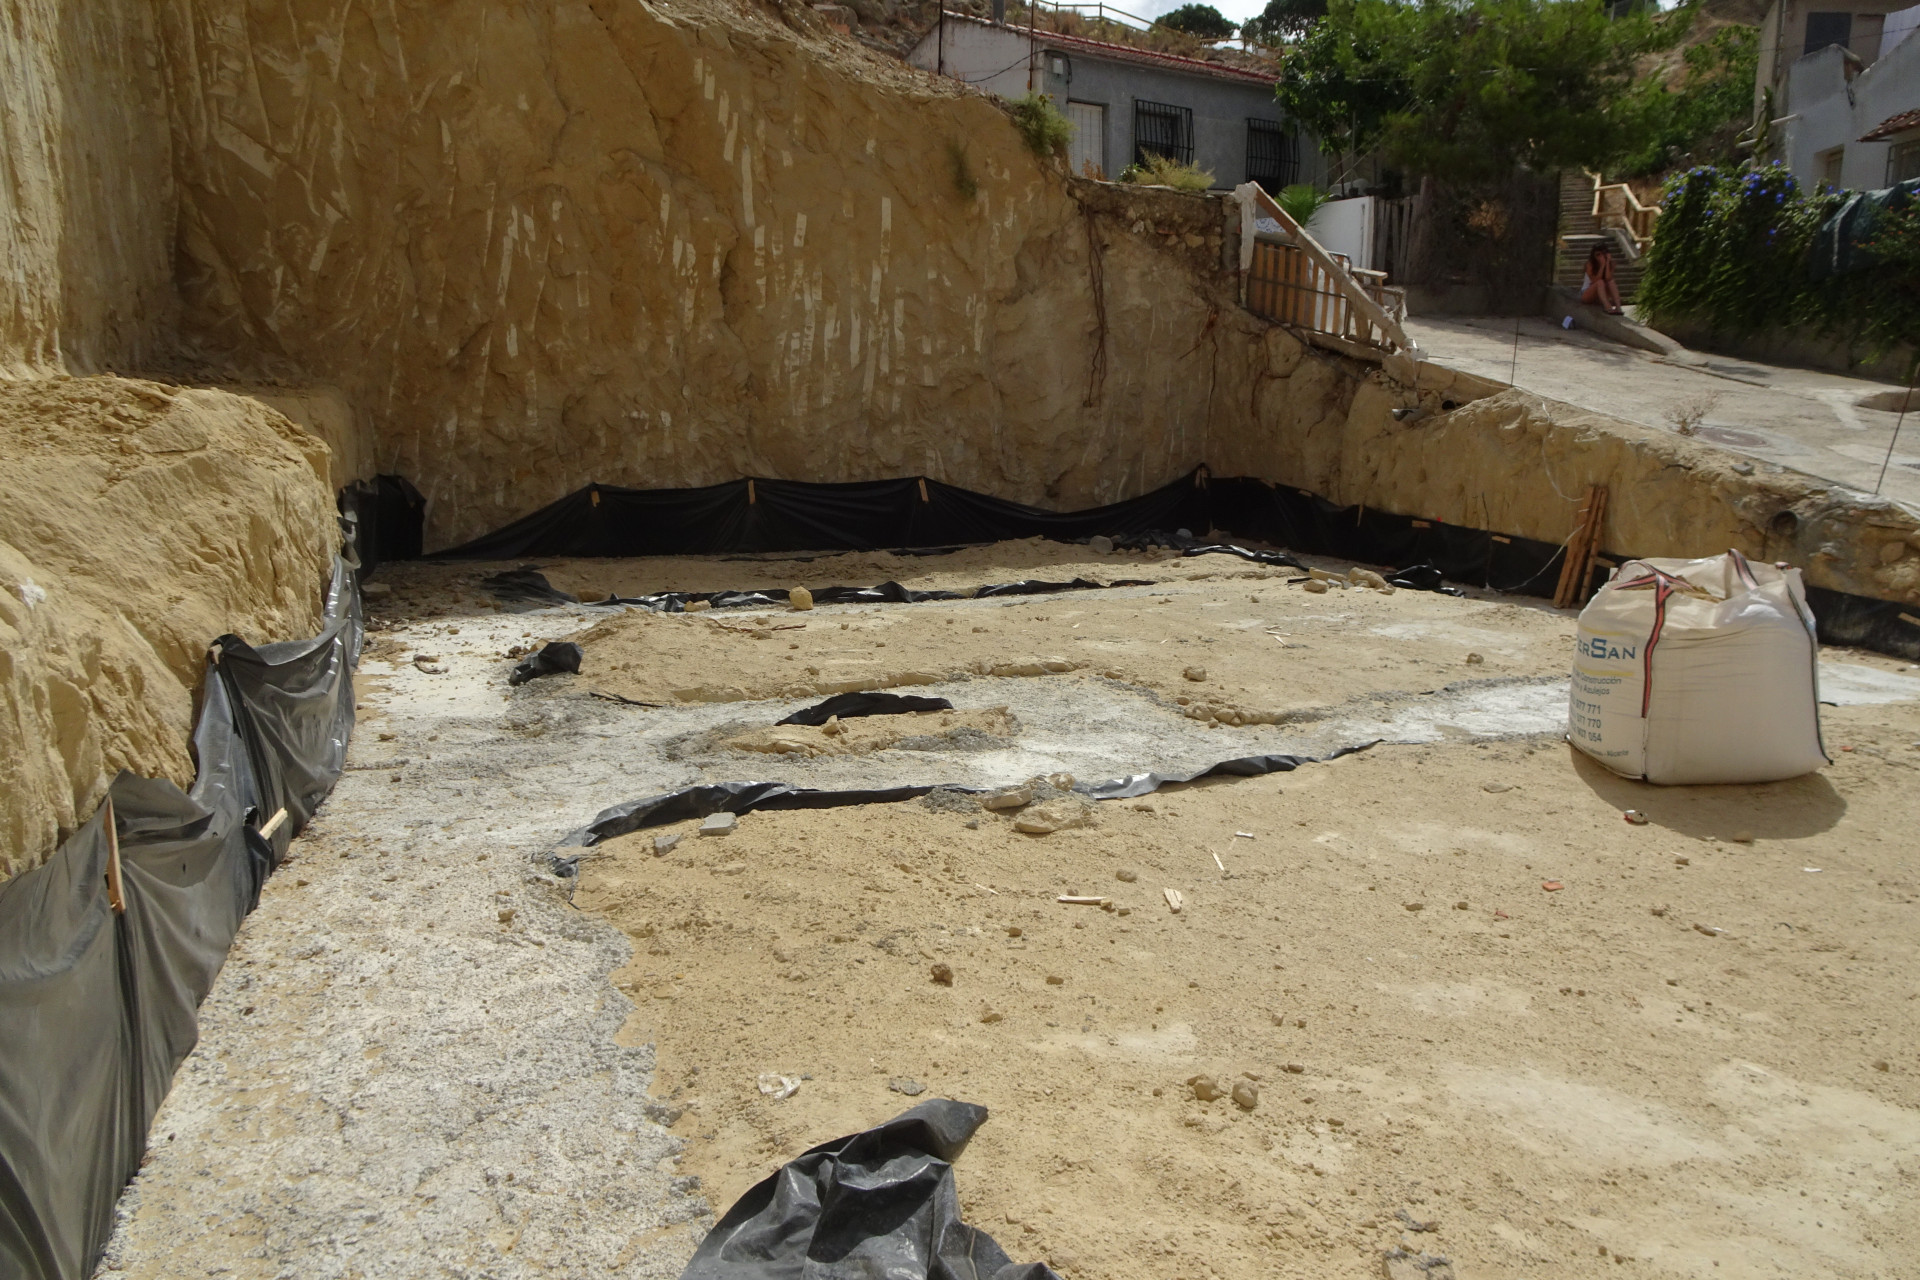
column 1599, row 286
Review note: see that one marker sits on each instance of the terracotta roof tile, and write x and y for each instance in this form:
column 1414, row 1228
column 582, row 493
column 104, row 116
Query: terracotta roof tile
column 1128, row 53
column 1892, row 125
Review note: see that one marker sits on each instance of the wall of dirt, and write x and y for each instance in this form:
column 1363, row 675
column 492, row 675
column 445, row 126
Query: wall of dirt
column 1520, row 464
column 672, row 244
column 86, row 189
column 140, row 521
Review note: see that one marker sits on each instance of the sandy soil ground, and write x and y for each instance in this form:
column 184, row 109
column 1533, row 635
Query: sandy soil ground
column 1697, row 1054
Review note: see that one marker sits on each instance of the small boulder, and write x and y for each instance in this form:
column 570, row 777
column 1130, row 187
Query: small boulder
column 800, row 598
column 1007, row 798
column 1055, row 815
column 719, row 824
column 1205, row 1088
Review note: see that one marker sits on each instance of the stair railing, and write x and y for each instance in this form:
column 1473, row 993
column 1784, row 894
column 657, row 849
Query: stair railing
column 1362, row 323
column 1616, row 207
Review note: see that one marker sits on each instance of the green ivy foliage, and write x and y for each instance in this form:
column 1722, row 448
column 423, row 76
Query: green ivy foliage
column 1045, row 130
column 1701, row 121
column 1732, row 252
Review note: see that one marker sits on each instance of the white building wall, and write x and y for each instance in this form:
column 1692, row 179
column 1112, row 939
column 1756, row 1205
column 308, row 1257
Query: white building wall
column 1885, row 89
column 1830, row 111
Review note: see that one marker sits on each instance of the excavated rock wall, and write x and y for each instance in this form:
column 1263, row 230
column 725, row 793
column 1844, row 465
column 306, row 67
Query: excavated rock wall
column 672, row 244
column 1483, row 456
column 86, row 189
column 139, row 522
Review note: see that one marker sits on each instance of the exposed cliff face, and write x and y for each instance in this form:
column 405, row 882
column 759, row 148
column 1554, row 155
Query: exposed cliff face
column 86, row 189
column 138, row 523
column 674, row 244
column 1483, row 456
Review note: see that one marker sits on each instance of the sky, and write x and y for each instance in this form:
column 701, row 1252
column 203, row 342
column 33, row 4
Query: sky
column 1232, row 10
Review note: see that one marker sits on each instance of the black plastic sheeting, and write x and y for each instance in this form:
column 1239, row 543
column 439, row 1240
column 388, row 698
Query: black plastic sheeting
column 877, row 1203
column 787, row 515
column 555, row 657
column 767, row 516
column 526, row 585
column 745, row 797
column 884, row 593
column 762, row 516
column 98, row 1008
column 847, row 706
column 389, row 517
column 1883, row 626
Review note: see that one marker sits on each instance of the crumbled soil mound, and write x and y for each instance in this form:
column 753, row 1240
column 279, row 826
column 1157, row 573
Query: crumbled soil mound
column 140, row 521
column 1442, row 1052
column 1217, row 661
column 913, row 731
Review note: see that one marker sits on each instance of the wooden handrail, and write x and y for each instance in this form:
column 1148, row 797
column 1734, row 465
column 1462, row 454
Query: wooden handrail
column 1638, row 218
column 1252, row 197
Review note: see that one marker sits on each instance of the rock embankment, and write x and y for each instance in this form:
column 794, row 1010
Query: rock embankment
column 140, row 521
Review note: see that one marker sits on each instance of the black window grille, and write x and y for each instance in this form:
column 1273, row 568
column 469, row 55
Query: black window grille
column 1163, row 130
column 1273, row 155
column 1824, row 29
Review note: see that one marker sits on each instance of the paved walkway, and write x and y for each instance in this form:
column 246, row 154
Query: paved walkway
column 1798, row 418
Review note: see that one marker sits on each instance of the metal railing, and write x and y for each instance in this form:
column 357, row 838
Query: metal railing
column 1093, row 11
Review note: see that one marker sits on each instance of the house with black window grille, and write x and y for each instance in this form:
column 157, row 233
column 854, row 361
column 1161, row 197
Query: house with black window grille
column 1125, row 101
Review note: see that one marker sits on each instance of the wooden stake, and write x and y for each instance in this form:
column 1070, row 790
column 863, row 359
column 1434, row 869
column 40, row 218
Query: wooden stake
column 273, row 824
column 116, row 892
column 1594, row 527
column 1576, row 552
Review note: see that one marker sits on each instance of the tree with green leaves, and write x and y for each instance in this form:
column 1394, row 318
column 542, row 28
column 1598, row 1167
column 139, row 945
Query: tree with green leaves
column 1471, row 90
column 1201, row 20
column 1283, row 21
column 1700, row 120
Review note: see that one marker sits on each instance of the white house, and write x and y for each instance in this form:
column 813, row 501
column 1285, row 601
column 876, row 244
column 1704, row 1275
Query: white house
column 1849, row 106
column 1124, row 101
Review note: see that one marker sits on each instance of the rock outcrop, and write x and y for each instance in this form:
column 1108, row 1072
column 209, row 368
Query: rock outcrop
column 139, row 522
column 676, row 243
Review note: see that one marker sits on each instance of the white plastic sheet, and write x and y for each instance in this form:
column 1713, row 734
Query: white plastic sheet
column 1699, row 671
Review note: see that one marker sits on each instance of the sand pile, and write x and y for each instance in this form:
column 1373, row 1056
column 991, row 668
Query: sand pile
column 1237, row 663
column 139, row 522
column 1437, row 998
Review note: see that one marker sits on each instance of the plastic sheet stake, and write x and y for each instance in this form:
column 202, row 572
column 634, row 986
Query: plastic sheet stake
column 116, row 895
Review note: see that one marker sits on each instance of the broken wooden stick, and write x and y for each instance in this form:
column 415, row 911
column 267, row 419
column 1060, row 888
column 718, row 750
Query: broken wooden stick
column 1594, row 527
column 1076, row 900
column 1573, row 565
column 116, row 893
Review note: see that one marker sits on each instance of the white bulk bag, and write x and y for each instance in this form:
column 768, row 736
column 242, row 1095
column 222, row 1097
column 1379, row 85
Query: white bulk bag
column 1692, row 671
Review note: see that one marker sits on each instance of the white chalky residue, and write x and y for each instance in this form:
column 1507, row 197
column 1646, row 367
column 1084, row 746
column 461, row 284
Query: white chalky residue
column 746, row 184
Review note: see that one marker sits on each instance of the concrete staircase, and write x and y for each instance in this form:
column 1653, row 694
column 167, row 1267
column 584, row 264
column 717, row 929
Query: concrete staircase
column 1580, row 230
